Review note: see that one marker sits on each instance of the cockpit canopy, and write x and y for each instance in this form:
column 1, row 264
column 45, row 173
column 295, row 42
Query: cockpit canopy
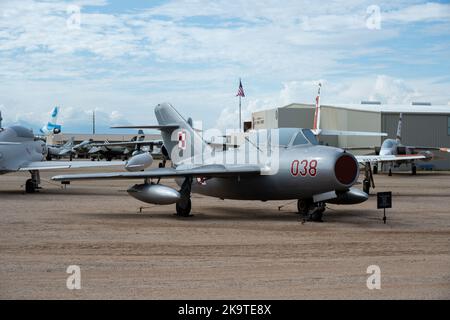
column 293, row 137
column 388, row 144
column 16, row 133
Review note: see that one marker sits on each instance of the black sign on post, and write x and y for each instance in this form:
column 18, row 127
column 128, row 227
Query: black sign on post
column 384, row 201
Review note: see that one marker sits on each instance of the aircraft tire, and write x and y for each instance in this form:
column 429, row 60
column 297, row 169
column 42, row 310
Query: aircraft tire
column 375, row 169
column 390, row 173
column 184, row 208
column 366, row 186
column 303, row 206
column 30, row 186
column 316, row 214
column 414, row 170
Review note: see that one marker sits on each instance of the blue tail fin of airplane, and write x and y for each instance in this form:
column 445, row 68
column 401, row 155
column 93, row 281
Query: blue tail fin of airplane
column 52, row 127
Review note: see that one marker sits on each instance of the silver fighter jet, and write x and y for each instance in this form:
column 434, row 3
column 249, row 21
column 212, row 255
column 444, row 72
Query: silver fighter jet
column 280, row 164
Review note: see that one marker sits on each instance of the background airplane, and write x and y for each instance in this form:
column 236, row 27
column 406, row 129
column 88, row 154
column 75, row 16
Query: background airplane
column 393, row 153
column 65, row 150
column 52, row 127
column 296, row 167
column 20, row 150
column 110, row 150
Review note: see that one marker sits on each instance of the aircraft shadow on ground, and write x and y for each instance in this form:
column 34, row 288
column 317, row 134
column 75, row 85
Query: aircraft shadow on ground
column 216, row 213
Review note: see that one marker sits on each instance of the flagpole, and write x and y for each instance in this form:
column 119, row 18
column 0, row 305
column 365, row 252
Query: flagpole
column 240, row 122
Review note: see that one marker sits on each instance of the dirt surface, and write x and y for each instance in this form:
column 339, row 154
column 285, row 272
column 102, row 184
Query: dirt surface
column 228, row 249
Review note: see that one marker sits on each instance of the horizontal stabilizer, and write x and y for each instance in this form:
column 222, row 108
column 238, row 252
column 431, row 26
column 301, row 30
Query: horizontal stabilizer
column 158, row 127
column 322, row 132
column 54, row 165
column 128, row 143
column 9, row 143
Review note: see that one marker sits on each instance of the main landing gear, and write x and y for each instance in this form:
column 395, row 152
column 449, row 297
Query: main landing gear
column 368, row 178
column 310, row 210
column 184, row 206
column 32, row 184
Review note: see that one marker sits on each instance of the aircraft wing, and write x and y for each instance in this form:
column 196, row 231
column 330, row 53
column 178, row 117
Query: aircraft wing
column 207, row 171
column 429, row 148
column 9, row 143
column 323, row 132
column 126, row 144
column 389, row 158
column 52, row 165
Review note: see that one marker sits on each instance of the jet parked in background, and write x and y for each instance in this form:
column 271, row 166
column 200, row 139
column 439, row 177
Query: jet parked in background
column 20, row 150
column 393, row 153
column 52, row 127
column 65, row 150
column 126, row 149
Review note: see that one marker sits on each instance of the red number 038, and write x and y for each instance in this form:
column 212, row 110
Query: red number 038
column 304, row 168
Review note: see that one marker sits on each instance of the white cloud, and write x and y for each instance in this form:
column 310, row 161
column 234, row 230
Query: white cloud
column 383, row 88
column 190, row 53
column 420, row 12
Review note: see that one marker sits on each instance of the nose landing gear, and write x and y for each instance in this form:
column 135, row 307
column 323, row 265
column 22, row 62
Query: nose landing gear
column 310, row 210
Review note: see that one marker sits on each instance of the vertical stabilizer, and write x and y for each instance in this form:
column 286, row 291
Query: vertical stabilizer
column 52, row 127
column 316, row 125
column 399, row 129
column 182, row 142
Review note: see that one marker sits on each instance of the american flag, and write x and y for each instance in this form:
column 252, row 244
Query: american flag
column 240, row 90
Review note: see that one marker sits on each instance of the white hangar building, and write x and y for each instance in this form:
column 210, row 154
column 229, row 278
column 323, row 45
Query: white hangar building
column 423, row 124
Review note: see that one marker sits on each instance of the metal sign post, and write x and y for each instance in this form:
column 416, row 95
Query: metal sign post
column 384, row 201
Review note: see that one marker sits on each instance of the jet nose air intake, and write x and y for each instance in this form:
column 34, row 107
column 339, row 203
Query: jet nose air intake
column 346, row 169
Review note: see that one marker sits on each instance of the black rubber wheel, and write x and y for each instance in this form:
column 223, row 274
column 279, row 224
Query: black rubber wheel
column 414, row 170
column 375, row 169
column 316, row 215
column 183, row 208
column 390, row 172
column 366, row 186
column 303, row 206
column 30, row 186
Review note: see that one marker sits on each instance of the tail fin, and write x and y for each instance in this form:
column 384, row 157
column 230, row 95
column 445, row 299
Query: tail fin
column 54, row 116
column 52, row 127
column 181, row 141
column 316, row 125
column 399, row 128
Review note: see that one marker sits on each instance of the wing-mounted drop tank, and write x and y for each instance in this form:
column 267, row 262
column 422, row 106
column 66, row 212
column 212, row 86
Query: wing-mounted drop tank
column 154, row 193
column 139, row 162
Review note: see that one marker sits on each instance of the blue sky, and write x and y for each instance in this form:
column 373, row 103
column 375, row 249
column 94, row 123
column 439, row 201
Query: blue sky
column 124, row 57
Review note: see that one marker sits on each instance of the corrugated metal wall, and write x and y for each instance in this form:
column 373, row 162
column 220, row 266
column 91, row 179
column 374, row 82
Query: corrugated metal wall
column 295, row 117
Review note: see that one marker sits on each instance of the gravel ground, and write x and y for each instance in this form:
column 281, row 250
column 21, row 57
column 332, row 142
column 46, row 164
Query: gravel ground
column 228, row 249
